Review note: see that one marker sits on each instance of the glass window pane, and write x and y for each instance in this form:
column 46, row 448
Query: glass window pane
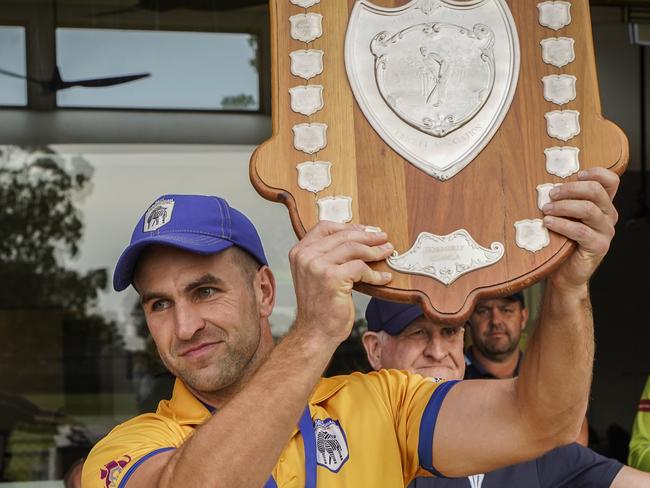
column 188, row 70
column 13, row 90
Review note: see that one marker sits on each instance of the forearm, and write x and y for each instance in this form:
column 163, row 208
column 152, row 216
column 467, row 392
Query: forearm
column 631, row 478
column 241, row 444
column 555, row 376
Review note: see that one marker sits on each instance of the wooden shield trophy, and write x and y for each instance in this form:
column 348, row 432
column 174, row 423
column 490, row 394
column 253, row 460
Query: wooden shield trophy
column 443, row 122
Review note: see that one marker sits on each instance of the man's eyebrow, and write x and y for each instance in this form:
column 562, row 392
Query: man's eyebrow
column 206, row 279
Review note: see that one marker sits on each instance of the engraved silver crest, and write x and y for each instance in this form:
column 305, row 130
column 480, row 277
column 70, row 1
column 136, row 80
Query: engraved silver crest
column 531, row 235
column 420, row 69
column 305, row 3
column 336, row 209
column 562, row 161
column 306, row 63
column 559, row 89
column 554, row 15
column 310, row 138
column 558, row 51
column 415, row 78
column 306, row 27
column 543, row 191
column 446, row 258
column 314, row 176
column 563, row 124
column 306, row 99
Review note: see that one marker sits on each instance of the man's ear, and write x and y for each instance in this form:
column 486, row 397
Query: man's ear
column 524, row 316
column 372, row 345
column 265, row 290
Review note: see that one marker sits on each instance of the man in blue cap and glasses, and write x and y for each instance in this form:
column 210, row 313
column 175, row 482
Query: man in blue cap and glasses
column 245, row 412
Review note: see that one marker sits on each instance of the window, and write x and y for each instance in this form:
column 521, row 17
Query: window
column 13, row 90
column 220, row 74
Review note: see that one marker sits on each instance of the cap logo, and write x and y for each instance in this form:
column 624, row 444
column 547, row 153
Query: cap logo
column 159, row 214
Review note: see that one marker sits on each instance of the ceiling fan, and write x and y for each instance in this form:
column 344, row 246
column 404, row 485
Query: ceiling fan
column 56, row 83
column 201, row 5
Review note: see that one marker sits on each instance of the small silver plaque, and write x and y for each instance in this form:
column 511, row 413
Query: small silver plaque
column 563, row 124
column 306, row 99
column 543, row 191
column 445, row 258
column 560, row 89
column 562, row 161
column 558, row 51
column 532, row 235
column 314, row 176
column 306, row 63
column 336, row 209
column 305, row 3
column 306, row 27
column 554, row 15
column 310, row 138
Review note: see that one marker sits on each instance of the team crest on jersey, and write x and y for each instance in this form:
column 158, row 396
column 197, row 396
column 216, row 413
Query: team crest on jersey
column 476, row 481
column 159, row 214
column 331, row 444
column 111, row 471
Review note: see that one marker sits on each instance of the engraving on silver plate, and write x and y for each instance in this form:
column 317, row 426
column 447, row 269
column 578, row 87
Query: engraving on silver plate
column 563, row 124
column 554, row 15
column 424, row 88
column 531, row 235
column 306, row 63
column 543, row 196
column 305, row 3
column 314, row 176
column 306, row 99
column 445, row 258
column 310, row 138
column 306, row 27
column 336, row 209
column 559, row 89
column 454, row 78
column 562, row 161
column 558, row 51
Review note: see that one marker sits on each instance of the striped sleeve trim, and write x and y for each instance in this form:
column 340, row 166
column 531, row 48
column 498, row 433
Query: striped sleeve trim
column 428, row 425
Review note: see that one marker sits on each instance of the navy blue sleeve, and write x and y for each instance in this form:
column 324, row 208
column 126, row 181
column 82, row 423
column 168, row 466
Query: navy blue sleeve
column 576, row 467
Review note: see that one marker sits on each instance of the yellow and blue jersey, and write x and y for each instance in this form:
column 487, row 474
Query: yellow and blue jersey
column 358, row 430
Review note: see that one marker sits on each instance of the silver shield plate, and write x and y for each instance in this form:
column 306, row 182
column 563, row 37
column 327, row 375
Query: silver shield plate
column 435, row 78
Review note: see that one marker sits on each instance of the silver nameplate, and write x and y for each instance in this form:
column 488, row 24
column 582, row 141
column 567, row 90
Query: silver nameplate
column 305, row 3
column 446, row 258
column 336, row 209
column 306, row 27
column 310, row 138
column 558, row 51
column 560, row 89
column 532, row 235
column 543, row 191
column 563, row 124
column 435, row 79
column 314, row 176
column 562, row 161
column 306, row 99
column 554, row 14
column 306, row 63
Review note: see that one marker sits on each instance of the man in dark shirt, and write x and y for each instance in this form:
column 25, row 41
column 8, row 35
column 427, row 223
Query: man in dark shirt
column 400, row 336
column 495, row 327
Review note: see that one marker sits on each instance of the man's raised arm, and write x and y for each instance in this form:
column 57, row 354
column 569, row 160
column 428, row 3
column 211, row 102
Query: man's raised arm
column 484, row 425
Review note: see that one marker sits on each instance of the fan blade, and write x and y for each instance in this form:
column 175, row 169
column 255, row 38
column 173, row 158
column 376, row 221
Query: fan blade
column 23, row 77
column 100, row 82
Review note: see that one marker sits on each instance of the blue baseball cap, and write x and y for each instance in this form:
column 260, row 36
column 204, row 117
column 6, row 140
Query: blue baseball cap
column 391, row 317
column 516, row 297
column 196, row 223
